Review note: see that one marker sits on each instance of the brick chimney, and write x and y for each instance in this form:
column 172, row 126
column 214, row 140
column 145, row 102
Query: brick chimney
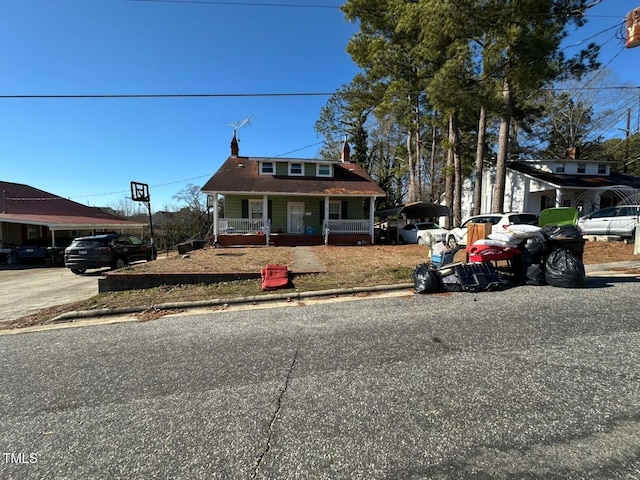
column 346, row 152
column 235, row 149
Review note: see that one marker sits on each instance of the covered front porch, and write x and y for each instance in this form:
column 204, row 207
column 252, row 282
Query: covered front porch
column 586, row 200
column 292, row 220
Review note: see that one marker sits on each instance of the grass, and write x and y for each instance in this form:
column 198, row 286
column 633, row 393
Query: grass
column 345, row 267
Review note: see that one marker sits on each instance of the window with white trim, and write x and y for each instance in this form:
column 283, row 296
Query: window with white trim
column 582, row 168
column 560, row 168
column 267, row 168
column 295, row 169
column 335, row 210
column 255, row 209
column 323, row 170
column 602, row 169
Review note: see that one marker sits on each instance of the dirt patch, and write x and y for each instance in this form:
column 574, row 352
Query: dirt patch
column 337, row 259
column 216, row 260
column 608, row 252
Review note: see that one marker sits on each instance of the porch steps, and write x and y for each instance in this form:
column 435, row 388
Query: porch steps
column 294, row 240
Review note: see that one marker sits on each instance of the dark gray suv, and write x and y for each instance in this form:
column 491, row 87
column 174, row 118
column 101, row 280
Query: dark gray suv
column 113, row 250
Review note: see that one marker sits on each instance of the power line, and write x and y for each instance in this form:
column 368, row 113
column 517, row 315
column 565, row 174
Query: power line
column 240, row 95
column 237, row 4
column 580, row 42
column 168, row 95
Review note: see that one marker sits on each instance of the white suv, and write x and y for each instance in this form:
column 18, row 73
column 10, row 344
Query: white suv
column 500, row 221
column 620, row 220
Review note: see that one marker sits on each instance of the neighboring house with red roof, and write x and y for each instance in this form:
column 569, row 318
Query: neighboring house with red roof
column 29, row 213
column 292, row 201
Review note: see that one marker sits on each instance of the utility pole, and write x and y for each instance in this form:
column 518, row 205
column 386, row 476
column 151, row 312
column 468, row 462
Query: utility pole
column 625, row 168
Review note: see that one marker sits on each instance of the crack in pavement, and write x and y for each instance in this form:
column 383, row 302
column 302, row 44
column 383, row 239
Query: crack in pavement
column 278, row 408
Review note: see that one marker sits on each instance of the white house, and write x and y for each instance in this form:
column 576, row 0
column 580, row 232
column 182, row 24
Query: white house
column 533, row 185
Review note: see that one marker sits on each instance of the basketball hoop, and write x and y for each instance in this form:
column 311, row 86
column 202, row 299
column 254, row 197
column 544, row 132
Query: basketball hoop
column 140, row 192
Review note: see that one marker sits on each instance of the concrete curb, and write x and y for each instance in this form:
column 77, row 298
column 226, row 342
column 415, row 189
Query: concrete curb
column 272, row 297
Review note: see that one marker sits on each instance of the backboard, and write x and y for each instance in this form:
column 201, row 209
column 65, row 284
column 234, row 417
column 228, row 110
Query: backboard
column 140, row 192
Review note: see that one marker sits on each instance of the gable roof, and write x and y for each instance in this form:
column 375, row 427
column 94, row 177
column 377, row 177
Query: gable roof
column 241, row 175
column 614, row 179
column 21, row 203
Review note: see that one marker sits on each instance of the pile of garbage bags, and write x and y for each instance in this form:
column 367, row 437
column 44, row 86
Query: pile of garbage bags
column 553, row 256
column 549, row 255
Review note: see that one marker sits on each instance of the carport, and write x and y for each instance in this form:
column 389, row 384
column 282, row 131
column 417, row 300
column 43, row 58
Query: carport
column 413, row 211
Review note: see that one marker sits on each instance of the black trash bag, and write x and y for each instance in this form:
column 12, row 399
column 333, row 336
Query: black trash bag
column 561, row 232
column 535, row 274
column 532, row 249
column 564, row 269
column 426, row 279
column 451, row 283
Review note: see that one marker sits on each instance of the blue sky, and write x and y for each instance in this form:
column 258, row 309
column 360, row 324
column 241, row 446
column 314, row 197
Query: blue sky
column 89, row 149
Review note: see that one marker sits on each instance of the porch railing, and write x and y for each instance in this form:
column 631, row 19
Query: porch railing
column 242, row 225
column 346, row 226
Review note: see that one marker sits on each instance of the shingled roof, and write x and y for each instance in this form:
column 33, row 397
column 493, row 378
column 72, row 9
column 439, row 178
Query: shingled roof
column 241, row 175
column 25, row 204
column 615, row 179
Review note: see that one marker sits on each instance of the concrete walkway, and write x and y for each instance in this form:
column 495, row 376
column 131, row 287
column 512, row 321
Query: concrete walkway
column 305, row 261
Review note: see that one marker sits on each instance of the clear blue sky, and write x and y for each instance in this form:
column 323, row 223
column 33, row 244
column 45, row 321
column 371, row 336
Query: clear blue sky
column 90, row 149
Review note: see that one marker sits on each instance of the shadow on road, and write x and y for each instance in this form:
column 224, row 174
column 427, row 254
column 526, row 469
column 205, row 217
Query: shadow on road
column 25, row 266
column 605, row 282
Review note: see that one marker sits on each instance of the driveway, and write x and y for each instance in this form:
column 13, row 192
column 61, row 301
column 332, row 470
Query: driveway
column 26, row 290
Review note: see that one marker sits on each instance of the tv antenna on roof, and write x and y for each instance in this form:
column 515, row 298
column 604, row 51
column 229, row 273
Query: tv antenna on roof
column 238, row 124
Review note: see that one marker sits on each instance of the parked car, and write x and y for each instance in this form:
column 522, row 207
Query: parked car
column 620, row 220
column 108, row 250
column 5, row 252
column 500, row 222
column 422, row 233
column 39, row 250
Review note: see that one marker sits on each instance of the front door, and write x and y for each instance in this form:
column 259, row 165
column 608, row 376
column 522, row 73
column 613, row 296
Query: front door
column 295, row 217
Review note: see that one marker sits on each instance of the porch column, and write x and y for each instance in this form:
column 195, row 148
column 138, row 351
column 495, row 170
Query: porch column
column 265, row 218
column 596, row 201
column 558, row 197
column 372, row 210
column 326, row 219
column 215, row 217
column 526, row 201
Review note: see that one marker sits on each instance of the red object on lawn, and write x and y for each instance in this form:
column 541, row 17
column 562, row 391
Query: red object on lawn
column 274, row 277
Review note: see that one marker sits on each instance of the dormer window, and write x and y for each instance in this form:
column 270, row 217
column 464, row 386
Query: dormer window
column 267, row 168
column 295, row 169
column 323, row 170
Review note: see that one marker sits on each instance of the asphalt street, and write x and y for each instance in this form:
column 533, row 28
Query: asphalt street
column 528, row 383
